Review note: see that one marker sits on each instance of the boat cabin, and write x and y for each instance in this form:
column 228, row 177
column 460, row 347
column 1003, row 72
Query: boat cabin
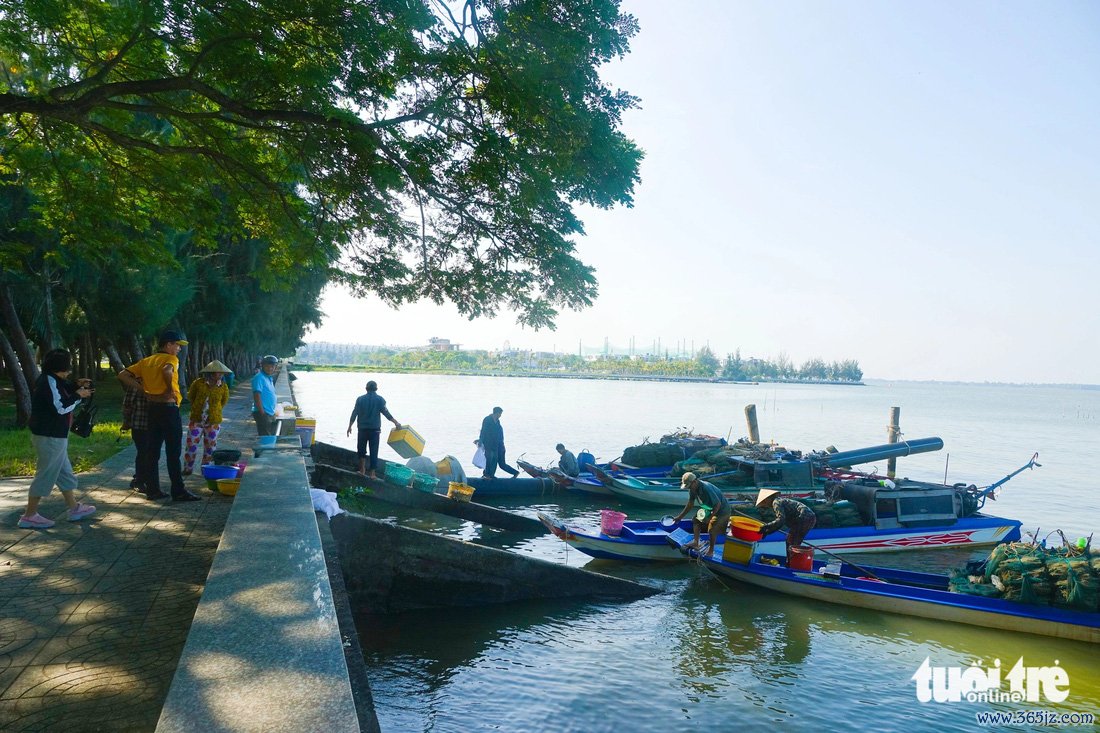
column 908, row 504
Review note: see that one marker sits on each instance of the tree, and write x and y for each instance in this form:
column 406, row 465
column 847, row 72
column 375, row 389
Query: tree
column 707, row 361
column 411, row 148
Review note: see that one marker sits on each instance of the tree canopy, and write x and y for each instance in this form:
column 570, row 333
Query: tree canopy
column 410, row 148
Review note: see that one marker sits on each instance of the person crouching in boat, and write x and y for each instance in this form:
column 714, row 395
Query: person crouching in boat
column 714, row 512
column 798, row 517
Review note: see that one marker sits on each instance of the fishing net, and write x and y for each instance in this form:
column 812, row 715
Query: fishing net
column 650, row 455
column 1075, row 586
column 1067, row 577
column 971, row 585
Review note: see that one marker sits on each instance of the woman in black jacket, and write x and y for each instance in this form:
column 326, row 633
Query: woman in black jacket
column 52, row 406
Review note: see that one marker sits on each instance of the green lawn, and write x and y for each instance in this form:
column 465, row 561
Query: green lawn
column 17, row 454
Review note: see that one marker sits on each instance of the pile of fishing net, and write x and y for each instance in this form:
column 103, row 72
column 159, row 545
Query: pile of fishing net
column 672, row 448
column 1065, row 577
column 838, row 514
column 729, row 461
column 829, row 516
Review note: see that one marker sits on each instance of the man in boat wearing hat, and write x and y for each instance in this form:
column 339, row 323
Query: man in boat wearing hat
column 798, row 517
column 208, row 395
column 714, row 512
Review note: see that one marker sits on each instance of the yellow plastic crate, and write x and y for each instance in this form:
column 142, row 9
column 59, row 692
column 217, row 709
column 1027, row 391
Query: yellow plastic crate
column 406, row 441
column 737, row 552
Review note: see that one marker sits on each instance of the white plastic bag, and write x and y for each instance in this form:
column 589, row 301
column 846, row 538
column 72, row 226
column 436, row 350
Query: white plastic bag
column 479, row 457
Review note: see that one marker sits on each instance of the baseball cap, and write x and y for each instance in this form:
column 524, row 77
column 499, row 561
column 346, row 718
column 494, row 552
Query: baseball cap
column 167, row 337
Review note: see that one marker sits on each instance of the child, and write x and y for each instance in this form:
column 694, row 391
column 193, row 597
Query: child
column 208, row 396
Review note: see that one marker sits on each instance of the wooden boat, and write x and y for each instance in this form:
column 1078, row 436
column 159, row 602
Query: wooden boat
column 648, row 540
column 668, row 492
column 348, row 460
column 531, row 469
column 925, row 595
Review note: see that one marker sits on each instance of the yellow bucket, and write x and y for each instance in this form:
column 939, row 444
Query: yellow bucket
column 459, row 492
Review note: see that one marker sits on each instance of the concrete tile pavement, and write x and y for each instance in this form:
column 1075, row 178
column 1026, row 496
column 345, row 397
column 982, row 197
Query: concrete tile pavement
column 94, row 614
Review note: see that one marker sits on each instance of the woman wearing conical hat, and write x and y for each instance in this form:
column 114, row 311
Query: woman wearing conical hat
column 208, row 395
column 798, row 517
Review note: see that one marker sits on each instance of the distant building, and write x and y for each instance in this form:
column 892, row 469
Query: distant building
column 438, row 344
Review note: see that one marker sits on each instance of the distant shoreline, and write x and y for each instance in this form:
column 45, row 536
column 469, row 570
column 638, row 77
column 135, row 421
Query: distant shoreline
column 560, row 375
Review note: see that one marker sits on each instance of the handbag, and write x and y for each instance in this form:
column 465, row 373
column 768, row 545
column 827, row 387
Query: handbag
column 84, row 420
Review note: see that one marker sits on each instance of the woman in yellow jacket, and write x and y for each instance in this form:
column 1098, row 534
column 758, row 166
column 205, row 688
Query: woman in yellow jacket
column 208, row 396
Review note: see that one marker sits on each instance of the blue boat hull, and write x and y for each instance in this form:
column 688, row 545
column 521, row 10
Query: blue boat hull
column 909, row 593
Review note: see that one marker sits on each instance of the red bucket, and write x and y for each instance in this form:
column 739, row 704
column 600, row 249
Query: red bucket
column 611, row 522
column 801, row 558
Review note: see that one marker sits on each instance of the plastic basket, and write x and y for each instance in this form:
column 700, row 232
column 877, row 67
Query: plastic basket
column 611, row 522
column 397, row 474
column 229, row 486
column 424, row 482
column 459, row 492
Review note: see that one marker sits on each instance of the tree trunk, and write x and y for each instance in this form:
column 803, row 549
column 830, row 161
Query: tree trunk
column 137, row 352
column 18, row 382
column 47, row 309
column 115, row 359
column 18, row 336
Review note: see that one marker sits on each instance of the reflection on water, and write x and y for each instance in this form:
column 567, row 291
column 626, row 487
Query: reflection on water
column 700, row 655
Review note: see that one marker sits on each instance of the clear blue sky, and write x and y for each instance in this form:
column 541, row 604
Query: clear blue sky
column 911, row 185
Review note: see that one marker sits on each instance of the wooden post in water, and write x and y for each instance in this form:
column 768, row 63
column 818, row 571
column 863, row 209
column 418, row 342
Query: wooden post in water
column 892, row 434
column 754, row 428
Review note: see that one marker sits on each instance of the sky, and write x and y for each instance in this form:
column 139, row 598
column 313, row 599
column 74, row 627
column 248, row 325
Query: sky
column 903, row 184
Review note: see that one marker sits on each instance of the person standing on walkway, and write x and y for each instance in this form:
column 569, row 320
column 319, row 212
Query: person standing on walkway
column 491, row 439
column 52, row 405
column 368, row 411
column 568, row 462
column 158, row 376
column 263, row 396
column 135, row 418
column 207, row 395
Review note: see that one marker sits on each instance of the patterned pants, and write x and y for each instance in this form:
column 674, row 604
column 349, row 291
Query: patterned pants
column 208, row 434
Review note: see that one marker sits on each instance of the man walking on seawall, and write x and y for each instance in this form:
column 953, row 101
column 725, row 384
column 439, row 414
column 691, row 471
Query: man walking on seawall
column 263, row 396
column 158, row 376
column 368, row 411
column 491, row 439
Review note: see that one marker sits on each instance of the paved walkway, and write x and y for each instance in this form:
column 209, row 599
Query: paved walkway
column 94, row 614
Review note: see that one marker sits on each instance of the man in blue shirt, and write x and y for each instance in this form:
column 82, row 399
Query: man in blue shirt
column 368, row 411
column 263, row 396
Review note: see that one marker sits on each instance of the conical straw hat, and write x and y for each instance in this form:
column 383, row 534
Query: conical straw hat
column 764, row 495
column 215, row 366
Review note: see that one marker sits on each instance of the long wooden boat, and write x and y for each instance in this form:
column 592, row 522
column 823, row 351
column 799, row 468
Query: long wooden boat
column 925, row 595
column 648, row 540
column 668, row 492
column 347, row 459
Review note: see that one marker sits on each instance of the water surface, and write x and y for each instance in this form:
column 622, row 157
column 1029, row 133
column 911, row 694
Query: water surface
column 700, row 655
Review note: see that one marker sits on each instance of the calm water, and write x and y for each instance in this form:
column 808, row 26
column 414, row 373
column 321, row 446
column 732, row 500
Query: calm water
column 699, row 655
